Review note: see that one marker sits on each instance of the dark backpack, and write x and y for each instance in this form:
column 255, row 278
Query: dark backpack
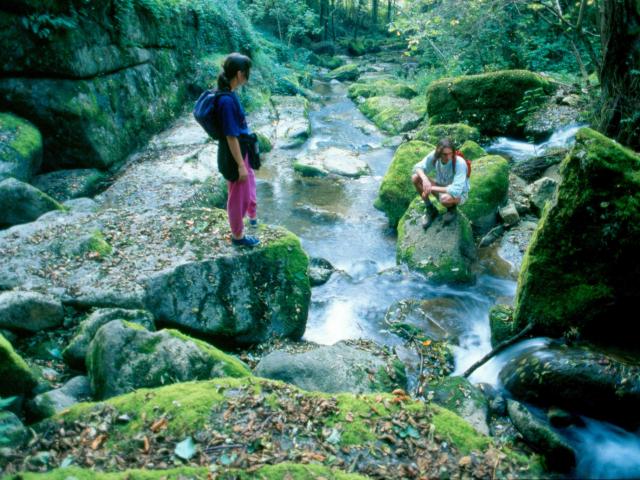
column 459, row 154
column 205, row 113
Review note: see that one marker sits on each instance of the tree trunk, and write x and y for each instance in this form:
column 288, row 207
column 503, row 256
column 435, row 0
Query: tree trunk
column 619, row 116
column 389, row 2
column 374, row 12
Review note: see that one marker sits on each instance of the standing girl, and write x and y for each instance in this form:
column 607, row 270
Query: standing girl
column 241, row 200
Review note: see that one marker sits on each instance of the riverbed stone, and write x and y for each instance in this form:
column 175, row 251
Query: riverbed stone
column 104, row 80
column 22, row 203
column 332, row 161
column 579, row 380
column 583, row 263
column 509, row 214
column 12, row 432
column 458, row 133
column 540, row 436
column 462, row 397
column 394, row 115
column 320, row 271
column 124, row 356
column 533, row 168
column 293, row 127
column 29, row 311
column 64, row 185
column 49, row 403
column 75, row 353
column 489, row 185
column 17, row 377
column 349, row 72
column 540, row 192
column 396, row 189
column 336, row 368
column 381, row 87
column 501, row 322
column 444, row 253
column 20, row 148
column 487, row 101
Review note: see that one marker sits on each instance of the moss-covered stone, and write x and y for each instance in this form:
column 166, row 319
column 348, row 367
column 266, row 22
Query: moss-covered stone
column 381, row 88
column 349, row 72
column 393, row 114
column 463, row 398
column 23, row 203
column 489, row 186
column 472, row 151
column 64, row 185
column 17, row 377
column 344, row 424
column 501, row 322
column 488, row 101
column 264, row 143
column 444, row 253
column 397, row 190
column 456, row 132
column 583, row 263
column 20, row 148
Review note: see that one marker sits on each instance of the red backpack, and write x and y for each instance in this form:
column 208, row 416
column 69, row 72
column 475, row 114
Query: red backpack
column 459, row 154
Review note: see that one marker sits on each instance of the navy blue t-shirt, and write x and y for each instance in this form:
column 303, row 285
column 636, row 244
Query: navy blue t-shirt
column 231, row 116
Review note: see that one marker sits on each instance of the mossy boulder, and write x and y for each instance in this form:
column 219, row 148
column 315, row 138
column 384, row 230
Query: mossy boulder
column 381, row 88
column 22, row 203
column 397, row 190
column 461, row 397
column 472, row 151
column 49, row 403
column 76, row 351
column 330, row 431
column 577, row 379
column 489, row 101
column 583, row 264
column 20, row 148
column 108, row 76
column 124, row 356
column 336, row 368
column 264, row 143
column 12, row 432
column 64, row 185
column 444, row 253
column 456, row 132
column 489, row 183
column 501, row 322
column 393, row 114
column 17, row 377
column 349, row 72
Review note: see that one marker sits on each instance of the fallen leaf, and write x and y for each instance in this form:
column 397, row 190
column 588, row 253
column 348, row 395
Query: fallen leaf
column 159, row 425
column 98, row 441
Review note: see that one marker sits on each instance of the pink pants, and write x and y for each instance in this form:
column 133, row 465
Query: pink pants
column 241, row 200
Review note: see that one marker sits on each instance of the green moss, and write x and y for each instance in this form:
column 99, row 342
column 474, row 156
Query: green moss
column 17, row 377
column 392, row 114
column 231, row 366
column 24, row 138
column 264, row 143
column 459, row 432
column 390, row 377
column 489, row 186
column 487, row 101
column 381, row 88
column 457, row 132
column 347, row 72
column 307, row 170
column 577, row 272
column 97, row 244
column 501, row 321
column 472, row 151
column 397, row 190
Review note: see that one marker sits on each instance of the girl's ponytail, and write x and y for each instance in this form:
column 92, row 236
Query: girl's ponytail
column 233, row 63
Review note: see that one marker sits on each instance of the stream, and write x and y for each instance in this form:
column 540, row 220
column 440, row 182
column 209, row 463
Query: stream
column 335, row 220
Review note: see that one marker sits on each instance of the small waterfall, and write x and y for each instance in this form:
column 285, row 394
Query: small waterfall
column 519, row 151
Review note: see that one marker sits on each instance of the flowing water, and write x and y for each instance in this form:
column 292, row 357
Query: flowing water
column 335, row 219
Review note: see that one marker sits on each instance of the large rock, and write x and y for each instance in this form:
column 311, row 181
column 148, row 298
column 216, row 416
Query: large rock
column 49, row 403
column 29, row 311
column 533, row 168
column 558, row 453
column 22, row 203
column 124, row 356
column 380, row 88
column 397, row 190
column 20, row 148
column 457, row 132
column 17, row 377
column 75, row 353
column 101, row 77
column 333, row 369
column 332, row 161
column 583, row 264
column 489, row 101
column 293, row 127
column 578, row 380
column 12, row 432
column 489, row 183
column 64, row 185
column 540, row 192
column 393, row 114
column 443, row 252
column 349, row 72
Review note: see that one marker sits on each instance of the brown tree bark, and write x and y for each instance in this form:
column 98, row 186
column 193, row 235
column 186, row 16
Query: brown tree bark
column 619, row 115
